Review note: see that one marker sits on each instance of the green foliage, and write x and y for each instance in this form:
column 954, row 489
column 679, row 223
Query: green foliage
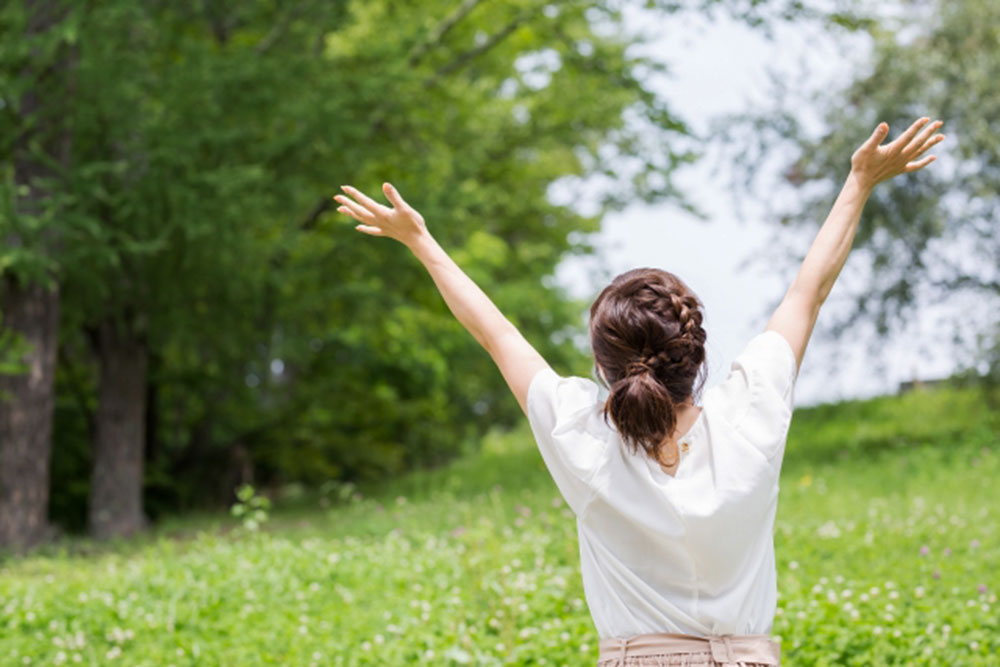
column 250, row 507
column 12, row 350
column 884, row 557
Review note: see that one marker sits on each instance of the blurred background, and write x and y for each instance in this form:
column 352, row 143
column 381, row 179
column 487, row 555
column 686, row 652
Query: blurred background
column 183, row 311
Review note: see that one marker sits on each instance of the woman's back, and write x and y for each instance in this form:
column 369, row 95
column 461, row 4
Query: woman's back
column 690, row 552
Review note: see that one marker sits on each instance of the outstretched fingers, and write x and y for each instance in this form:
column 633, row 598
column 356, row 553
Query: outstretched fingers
column 937, row 138
column 354, row 209
column 365, row 200
column 369, row 229
column 904, row 139
column 920, row 143
column 920, row 164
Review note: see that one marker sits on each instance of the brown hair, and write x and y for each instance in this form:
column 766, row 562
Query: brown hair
column 645, row 329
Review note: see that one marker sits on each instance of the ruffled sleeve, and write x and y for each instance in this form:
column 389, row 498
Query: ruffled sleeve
column 559, row 411
column 759, row 392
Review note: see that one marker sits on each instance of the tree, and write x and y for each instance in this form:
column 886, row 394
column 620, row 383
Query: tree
column 39, row 147
column 927, row 239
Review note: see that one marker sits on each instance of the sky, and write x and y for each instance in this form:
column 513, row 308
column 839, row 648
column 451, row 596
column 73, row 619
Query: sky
column 718, row 67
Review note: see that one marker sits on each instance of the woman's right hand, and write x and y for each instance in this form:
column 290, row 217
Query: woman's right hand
column 873, row 163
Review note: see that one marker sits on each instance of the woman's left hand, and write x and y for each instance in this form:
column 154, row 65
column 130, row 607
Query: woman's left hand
column 402, row 222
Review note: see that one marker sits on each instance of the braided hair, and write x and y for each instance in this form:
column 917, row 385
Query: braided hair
column 646, row 333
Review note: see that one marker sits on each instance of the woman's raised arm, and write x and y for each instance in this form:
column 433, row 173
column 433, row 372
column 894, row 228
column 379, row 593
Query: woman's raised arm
column 517, row 360
column 871, row 164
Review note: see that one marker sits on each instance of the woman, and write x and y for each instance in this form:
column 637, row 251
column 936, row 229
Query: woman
column 675, row 502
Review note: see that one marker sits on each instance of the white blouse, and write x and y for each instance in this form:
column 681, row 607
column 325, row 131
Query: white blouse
column 690, row 553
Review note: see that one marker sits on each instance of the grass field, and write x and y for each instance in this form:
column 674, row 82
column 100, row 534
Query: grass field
column 887, row 543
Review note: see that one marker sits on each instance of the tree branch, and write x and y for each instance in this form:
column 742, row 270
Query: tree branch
column 460, row 13
column 319, row 209
column 464, row 58
column 280, row 27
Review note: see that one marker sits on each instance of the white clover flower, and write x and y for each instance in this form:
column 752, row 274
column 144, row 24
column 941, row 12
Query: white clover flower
column 794, row 565
column 874, row 590
column 877, row 630
column 828, row 530
column 366, row 646
column 974, row 645
column 846, row 593
column 863, row 597
column 919, row 591
column 985, row 607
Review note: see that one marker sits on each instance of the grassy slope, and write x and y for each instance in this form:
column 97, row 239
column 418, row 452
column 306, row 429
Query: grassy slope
column 477, row 563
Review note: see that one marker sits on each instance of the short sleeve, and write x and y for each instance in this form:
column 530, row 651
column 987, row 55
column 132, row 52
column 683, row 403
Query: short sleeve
column 559, row 410
column 759, row 392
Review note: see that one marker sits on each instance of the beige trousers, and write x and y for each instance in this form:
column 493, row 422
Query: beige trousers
column 673, row 649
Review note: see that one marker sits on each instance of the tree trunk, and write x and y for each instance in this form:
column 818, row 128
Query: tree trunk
column 26, row 403
column 115, row 508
